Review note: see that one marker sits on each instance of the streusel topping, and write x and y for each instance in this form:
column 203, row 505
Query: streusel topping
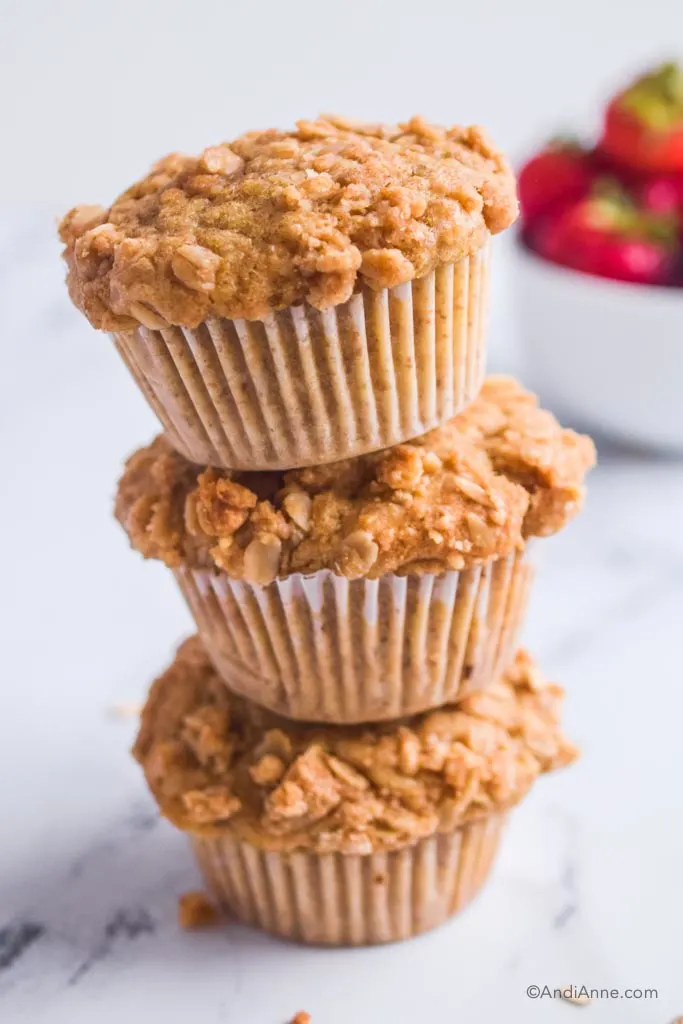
column 214, row 761
column 473, row 489
column 277, row 218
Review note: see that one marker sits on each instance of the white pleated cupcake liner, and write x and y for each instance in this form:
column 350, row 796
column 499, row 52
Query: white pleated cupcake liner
column 303, row 387
column 327, row 649
column 341, row 899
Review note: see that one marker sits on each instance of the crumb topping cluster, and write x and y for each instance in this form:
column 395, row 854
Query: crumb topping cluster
column 471, row 490
column 276, row 218
column 214, row 761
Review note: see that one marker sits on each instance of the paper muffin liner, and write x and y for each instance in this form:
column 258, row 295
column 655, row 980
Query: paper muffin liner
column 341, row 899
column 327, row 649
column 304, row 387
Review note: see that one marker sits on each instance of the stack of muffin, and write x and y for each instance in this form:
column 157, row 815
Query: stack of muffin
column 346, row 504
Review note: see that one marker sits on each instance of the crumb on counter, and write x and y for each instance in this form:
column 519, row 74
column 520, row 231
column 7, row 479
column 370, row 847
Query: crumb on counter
column 576, row 1000
column 195, row 910
column 126, row 709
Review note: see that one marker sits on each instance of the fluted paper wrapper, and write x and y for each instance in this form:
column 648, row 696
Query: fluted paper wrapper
column 341, row 899
column 304, row 387
column 326, row 649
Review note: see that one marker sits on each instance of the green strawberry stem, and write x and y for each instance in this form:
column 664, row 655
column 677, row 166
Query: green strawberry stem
column 656, row 99
column 611, row 208
column 565, row 144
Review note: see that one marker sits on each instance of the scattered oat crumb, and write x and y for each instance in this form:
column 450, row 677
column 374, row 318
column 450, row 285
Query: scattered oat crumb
column 126, row 709
column 575, row 1000
column 301, row 1018
column 196, row 911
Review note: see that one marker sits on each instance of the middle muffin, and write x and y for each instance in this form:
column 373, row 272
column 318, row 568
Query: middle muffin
column 372, row 588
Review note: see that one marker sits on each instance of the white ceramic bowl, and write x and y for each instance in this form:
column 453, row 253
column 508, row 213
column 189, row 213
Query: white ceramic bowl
column 607, row 355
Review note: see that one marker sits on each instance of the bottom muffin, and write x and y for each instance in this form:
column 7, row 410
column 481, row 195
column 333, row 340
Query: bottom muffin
column 344, row 835
column 339, row 899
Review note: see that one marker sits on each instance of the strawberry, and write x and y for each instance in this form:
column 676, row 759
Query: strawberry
column 602, row 165
column 663, row 195
column 556, row 175
column 608, row 235
column 636, row 261
column 643, row 127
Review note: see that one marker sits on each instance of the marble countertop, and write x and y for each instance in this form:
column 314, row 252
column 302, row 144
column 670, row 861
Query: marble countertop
column 587, row 889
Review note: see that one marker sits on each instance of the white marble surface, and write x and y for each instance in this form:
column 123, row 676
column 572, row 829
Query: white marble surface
column 587, row 890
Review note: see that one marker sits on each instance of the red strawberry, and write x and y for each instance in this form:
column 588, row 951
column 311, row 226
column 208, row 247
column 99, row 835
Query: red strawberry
column 602, row 165
column 644, row 124
column 607, row 235
column 636, row 261
column 663, row 195
column 555, row 176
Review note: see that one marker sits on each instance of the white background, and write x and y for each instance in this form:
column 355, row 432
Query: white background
column 92, row 92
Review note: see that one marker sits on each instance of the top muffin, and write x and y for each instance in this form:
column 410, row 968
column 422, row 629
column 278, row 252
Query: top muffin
column 277, row 218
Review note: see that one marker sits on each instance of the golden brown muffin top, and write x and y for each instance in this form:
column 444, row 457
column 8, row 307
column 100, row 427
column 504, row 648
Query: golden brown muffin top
column 215, row 761
column 277, row 218
column 469, row 491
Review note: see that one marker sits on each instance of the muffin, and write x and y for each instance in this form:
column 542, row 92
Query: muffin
column 344, row 835
column 296, row 297
column 376, row 587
